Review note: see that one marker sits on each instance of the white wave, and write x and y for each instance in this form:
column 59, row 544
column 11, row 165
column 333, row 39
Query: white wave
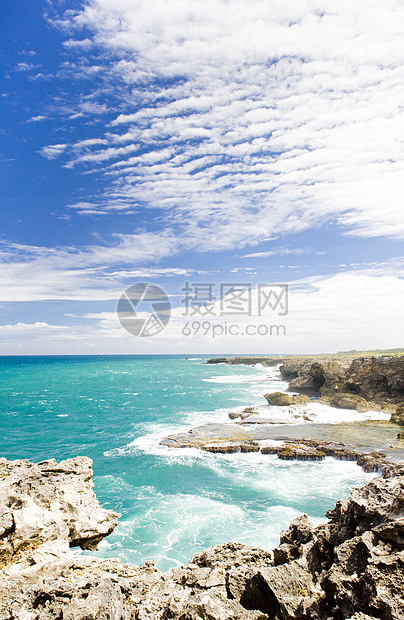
column 169, row 529
column 317, row 413
column 235, row 378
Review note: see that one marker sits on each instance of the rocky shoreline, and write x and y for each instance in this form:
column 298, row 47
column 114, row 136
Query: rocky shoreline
column 361, row 383
column 352, row 566
column 345, row 384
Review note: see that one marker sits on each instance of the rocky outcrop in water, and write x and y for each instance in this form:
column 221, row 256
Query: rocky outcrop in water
column 351, row 567
column 397, row 417
column 280, row 399
column 48, row 506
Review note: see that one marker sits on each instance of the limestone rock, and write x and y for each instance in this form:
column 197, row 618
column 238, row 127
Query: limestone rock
column 300, row 453
column 278, row 398
column 49, row 501
column 286, row 591
column 231, row 447
column 398, row 416
column 349, row 401
column 377, row 380
column 351, row 567
column 300, row 399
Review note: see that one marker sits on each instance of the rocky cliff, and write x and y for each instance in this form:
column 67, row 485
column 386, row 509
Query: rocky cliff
column 361, row 383
column 350, row 567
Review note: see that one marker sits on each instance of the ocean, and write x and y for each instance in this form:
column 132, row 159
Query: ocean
column 173, row 502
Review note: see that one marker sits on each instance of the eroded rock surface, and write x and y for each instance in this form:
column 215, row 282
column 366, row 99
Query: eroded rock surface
column 352, row 383
column 47, row 502
column 351, row 567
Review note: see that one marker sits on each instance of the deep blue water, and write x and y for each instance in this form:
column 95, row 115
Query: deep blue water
column 115, row 409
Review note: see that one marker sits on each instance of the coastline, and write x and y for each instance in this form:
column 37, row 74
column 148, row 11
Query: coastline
column 352, row 566
column 357, row 397
column 317, row 572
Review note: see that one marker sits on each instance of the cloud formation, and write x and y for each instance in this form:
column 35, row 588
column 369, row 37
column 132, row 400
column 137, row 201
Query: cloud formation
column 246, row 119
column 339, row 312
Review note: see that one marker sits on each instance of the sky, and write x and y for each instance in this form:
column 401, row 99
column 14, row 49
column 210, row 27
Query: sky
column 214, row 148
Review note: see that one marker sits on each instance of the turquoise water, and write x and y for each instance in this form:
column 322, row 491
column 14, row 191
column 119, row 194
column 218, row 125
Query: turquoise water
column 173, row 502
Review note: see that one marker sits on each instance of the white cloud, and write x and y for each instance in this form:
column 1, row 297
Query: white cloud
column 53, row 151
column 352, row 310
column 36, row 119
column 279, row 252
column 276, row 118
column 18, row 328
column 97, row 272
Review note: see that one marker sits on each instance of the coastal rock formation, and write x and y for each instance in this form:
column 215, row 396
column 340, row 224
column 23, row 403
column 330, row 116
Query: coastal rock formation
column 351, row 567
column 249, row 361
column 360, row 383
column 48, row 503
column 397, row 417
column 281, row 399
column 231, row 438
column 278, row 398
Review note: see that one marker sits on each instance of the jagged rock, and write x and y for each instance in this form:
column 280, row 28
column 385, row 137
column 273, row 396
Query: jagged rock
column 102, row 603
column 234, row 414
column 300, row 453
column 231, row 448
column 398, row 416
column 278, row 398
column 351, row 567
column 300, row 532
column 286, row 591
column 315, row 374
column 377, row 380
column 49, row 501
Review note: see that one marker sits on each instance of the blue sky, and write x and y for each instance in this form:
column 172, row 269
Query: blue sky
column 203, row 141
